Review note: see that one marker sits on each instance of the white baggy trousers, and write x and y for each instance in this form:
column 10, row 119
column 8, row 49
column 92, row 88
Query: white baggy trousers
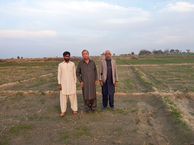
column 64, row 99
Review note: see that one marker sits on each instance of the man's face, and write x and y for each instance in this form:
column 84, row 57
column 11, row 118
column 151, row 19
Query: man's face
column 108, row 55
column 85, row 55
column 66, row 58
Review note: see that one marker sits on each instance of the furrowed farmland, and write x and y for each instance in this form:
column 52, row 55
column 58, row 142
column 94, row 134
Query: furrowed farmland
column 154, row 105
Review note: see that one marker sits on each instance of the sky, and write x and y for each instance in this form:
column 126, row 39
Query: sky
column 47, row 28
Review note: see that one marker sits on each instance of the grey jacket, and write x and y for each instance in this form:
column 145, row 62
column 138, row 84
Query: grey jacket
column 103, row 71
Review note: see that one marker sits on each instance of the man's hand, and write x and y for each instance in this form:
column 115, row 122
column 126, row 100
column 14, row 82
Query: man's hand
column 82, row 85
column 116, row 84
column 101, row 83
column 60, row 87
column 96, row 82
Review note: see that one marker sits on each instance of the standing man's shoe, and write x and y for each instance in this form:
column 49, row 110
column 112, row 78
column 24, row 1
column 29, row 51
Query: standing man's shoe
column 62, row 114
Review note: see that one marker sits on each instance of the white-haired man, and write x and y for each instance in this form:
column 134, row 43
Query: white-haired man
column 108, row 78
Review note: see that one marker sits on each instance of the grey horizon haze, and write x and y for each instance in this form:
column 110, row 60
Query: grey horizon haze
column 46, row 28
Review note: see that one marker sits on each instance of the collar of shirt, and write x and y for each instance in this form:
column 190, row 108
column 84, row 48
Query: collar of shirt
column 88, row 61
column 108, row 59
column 66, row 62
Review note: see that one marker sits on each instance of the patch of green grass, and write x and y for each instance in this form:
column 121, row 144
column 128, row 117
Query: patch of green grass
column 41, row 118
column 121, row 111
column 153, row 59
column 65, row 137
column 166, row 78
column 134, row 110
column 142, row 78
column 126, row 82
column 174, row 111
column 57, row 107
column 4, row 141
column 118, row 131
column 29, row 63
column 14, row 131
column 82, row 131
column 19, row 129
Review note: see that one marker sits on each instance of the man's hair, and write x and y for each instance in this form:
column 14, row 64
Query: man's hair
column 85, row 51
column 66, row 53
column 108, row 51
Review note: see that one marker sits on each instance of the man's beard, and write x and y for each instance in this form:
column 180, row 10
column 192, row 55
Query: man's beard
column 66, row 60
column 108, row 58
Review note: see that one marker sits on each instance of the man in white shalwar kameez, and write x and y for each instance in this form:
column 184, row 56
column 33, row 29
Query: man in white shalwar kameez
column 67, row 84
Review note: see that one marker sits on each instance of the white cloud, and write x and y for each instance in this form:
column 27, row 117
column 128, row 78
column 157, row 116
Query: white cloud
column 77, row 12
column 26, row 34
column 180, row 7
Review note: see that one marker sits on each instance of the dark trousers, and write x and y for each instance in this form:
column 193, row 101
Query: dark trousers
column 108, row 90
column 90, row 105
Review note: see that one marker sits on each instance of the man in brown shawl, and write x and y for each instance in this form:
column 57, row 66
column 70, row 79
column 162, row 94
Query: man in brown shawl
column 87, row 75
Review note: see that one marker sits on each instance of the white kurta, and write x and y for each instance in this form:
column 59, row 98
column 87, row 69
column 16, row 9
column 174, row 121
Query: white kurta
column 67, row 77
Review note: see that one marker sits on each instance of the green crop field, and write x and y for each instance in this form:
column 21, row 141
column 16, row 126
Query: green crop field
column 154, row 105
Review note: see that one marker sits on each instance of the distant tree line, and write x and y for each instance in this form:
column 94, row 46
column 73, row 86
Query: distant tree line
column 18, row 57
column 163, row 52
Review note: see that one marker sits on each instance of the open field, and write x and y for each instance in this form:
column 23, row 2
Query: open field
column 154, row 105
